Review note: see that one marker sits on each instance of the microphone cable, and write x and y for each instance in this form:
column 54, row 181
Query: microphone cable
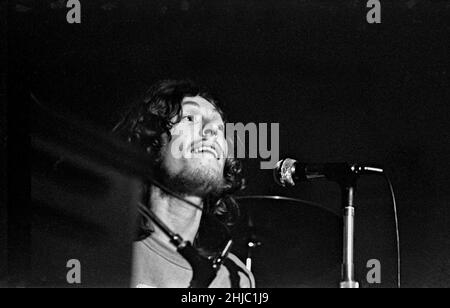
column 397, row 232
column 379, row 171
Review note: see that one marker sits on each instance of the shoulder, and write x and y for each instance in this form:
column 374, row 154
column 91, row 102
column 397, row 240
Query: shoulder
column 246, row 276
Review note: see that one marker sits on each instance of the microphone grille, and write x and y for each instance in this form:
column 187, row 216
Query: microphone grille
column 285, row 169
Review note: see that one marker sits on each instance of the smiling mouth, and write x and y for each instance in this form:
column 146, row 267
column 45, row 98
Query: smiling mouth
column 206, row 149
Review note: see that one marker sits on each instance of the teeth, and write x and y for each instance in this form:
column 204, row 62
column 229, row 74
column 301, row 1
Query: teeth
column 205, row 149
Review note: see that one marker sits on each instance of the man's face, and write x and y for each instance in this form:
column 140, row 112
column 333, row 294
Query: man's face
column 194, row 159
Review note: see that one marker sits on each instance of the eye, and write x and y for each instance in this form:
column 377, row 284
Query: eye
column 189, row 118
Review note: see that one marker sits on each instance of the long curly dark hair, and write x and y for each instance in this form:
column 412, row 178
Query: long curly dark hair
column 147, row 124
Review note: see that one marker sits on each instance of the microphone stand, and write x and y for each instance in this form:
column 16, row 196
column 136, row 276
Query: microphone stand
column 347, row 181
column 346, row 176
column 348, row 269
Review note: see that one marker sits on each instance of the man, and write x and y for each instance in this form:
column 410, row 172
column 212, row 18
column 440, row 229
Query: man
column 182, row 128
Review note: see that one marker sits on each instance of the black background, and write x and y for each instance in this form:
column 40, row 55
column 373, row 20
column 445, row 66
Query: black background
column 341, row 89
column 3, row 124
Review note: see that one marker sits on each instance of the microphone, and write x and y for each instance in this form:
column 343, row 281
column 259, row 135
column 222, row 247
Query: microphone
column 288, row 171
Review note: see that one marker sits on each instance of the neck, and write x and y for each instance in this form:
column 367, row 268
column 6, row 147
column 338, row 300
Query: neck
column 181, row 218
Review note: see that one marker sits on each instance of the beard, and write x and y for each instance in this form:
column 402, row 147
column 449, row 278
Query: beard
column 194, row 180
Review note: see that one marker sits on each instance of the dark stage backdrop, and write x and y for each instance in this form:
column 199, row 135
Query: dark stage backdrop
column 3, row 213
column 341, row 89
